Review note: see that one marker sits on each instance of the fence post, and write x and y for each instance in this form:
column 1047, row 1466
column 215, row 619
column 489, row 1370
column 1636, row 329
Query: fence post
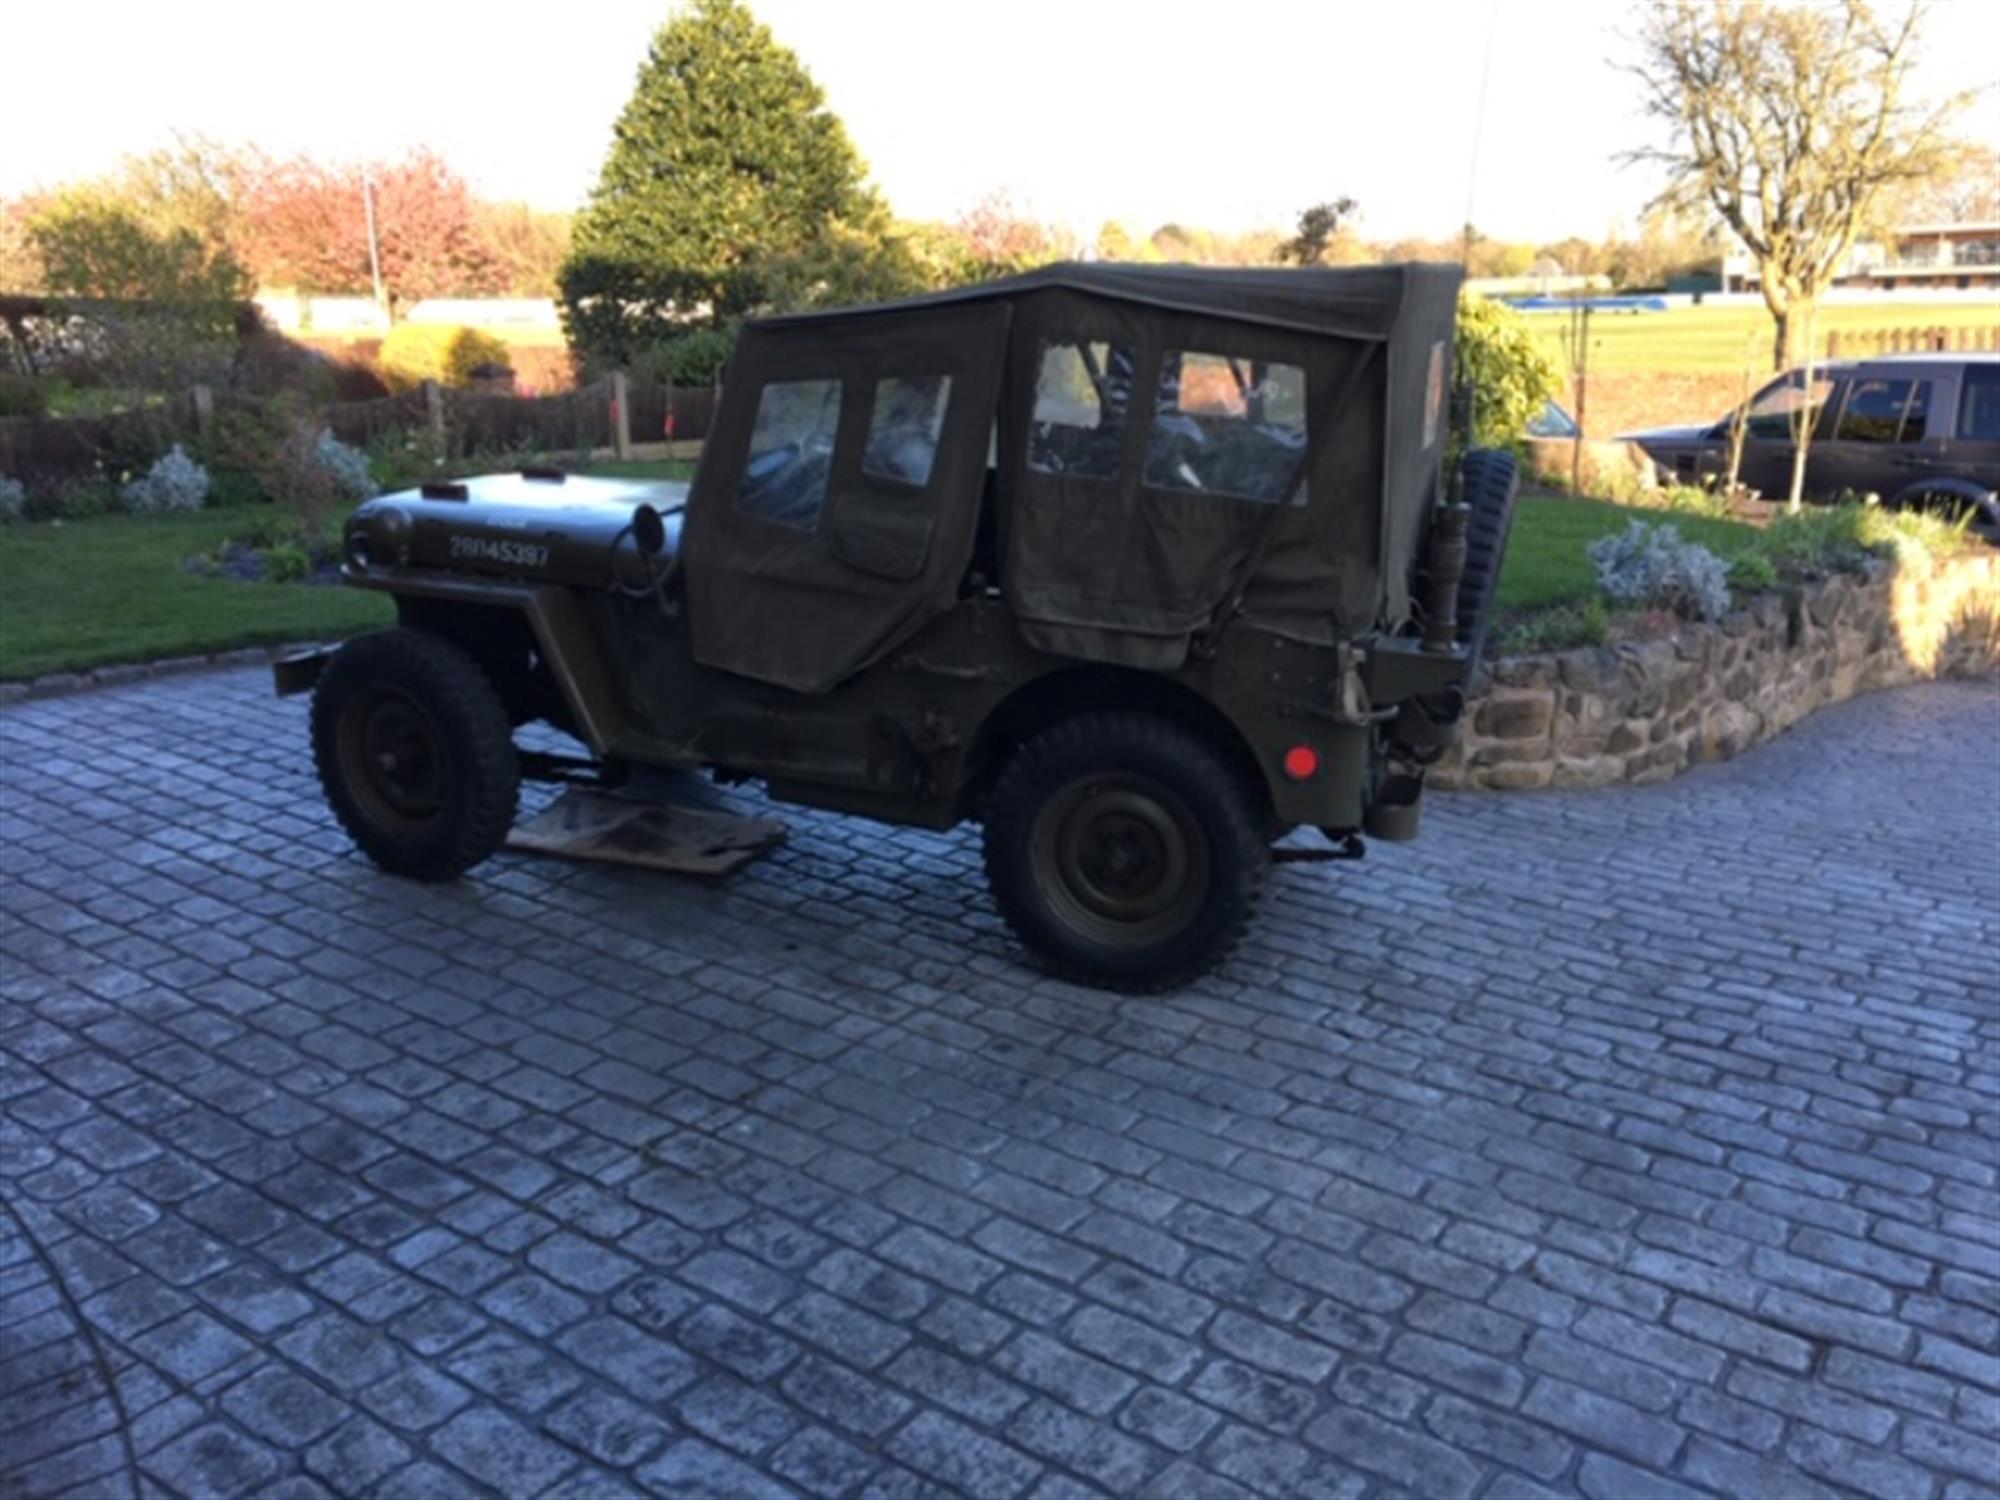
column 621, row 415
column 434, row 411
column 204, row 413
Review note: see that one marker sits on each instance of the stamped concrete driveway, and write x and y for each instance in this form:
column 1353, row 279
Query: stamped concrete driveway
column 1630, row 1143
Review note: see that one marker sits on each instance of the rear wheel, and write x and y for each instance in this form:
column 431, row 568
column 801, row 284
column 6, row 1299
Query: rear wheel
column 415, row 753
column 1124, row 851
column 1490, row 479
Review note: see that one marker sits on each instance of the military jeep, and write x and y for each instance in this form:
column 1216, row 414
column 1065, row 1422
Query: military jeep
column 1141, row 568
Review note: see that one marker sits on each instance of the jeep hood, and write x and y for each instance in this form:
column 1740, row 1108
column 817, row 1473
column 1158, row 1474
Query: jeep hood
column 558, row 529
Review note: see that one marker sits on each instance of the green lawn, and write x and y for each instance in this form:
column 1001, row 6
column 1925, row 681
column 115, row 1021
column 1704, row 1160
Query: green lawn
column 112, row 590
column 1720, row 338
column 1545, row 556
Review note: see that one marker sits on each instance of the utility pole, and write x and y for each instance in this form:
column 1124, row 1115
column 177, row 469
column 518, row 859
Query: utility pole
column 374, row 248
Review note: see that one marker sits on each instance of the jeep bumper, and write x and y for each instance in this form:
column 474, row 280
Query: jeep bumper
column 298, row 671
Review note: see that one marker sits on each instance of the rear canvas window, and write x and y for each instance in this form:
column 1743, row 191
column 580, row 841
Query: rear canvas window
column 904, row 428
column 791, row 452
column 1227, row 426
column 1083, row 392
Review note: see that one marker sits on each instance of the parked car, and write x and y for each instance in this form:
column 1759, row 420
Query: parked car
column 1140, row 567
column 1915, row 430
column 1553, row 421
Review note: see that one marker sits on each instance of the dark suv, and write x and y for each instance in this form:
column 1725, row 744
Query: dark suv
column 1917, row 430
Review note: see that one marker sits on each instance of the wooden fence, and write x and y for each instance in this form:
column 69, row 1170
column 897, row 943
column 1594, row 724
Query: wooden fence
column 1864, row 343
column 614, row 413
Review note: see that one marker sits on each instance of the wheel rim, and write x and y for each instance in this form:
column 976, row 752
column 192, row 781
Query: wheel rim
column 1120, row 859
column 392, row 759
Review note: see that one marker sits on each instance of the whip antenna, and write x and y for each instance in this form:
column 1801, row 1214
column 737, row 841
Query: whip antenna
column 1478, row 132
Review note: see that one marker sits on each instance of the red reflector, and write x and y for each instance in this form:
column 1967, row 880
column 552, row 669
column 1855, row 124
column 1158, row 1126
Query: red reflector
column 1302, row 762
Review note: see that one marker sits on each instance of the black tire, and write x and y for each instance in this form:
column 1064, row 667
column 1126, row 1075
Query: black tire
column 1489, row 482
column 1125, row 851
column 415, row 753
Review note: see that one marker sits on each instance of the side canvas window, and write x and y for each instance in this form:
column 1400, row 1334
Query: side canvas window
column 1874, row 411
column 904, row 428
column 1774, row 413
column 1916, row 420
column 791, row 452
column 1979, row 405
column 1227, row 426
column 1083, row 393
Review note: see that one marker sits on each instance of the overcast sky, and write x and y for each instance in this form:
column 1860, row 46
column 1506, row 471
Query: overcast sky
column 1230, row 114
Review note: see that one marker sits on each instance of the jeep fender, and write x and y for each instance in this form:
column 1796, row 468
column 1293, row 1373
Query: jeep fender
column 562, row 634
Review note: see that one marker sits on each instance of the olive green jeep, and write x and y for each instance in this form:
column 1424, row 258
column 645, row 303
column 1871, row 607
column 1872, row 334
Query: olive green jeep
column 1141, row 568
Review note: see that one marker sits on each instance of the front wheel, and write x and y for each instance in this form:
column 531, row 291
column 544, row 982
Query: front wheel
column 1124, row 851
column 415, row 753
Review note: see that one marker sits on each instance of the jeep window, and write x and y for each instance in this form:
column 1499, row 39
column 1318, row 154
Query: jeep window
column 1874, row 411
column 903, row 431
column 791, row 452
column 1979, row 407
column 1917, row 417
column 1227, row 426
column 1774, row 413
column 1082, row 393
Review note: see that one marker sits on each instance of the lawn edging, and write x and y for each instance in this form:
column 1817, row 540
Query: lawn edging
column 117, row 674
column 1644, row 711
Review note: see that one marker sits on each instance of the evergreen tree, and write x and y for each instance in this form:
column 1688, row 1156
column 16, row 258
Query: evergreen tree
column 725, row 163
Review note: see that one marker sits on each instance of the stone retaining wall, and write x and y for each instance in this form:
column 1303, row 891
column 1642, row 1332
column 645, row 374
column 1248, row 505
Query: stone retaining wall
column 1647, row 710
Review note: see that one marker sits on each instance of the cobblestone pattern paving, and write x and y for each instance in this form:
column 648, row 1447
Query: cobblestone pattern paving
column 1624, row 1144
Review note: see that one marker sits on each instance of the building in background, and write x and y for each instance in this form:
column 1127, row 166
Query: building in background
column 1910, row 258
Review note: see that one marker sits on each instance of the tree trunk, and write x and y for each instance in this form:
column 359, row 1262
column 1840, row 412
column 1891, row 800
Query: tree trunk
column 1799, row 318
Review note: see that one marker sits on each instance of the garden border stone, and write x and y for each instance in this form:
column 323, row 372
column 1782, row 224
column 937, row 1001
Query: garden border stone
column 1644, row 711
column 113, row 674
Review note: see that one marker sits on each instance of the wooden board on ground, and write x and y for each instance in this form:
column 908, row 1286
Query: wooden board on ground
column 590, row 825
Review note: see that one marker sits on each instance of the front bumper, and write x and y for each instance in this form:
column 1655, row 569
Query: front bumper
column 298, row 671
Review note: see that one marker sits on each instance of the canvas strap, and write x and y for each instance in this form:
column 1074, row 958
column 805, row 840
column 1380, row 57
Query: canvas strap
column 1319, row 430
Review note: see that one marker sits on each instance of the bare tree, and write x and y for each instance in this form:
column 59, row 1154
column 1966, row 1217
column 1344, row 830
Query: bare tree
column 1787, row 122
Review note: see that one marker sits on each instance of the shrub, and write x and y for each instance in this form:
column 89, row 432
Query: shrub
column 692, row 359
column 401, row 460
column 453, row 356
column 287, row 562
column 13, row 499
column 346, row 466
column 21, row 396
column 1559, row 629
column 1503, row 370
column 1695, row 500
column 174, row 483
column 233, row 487
column 1652, row 566
column 1820, row 539
column 81, row 497
column 1752, row 572
column 472, row 355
